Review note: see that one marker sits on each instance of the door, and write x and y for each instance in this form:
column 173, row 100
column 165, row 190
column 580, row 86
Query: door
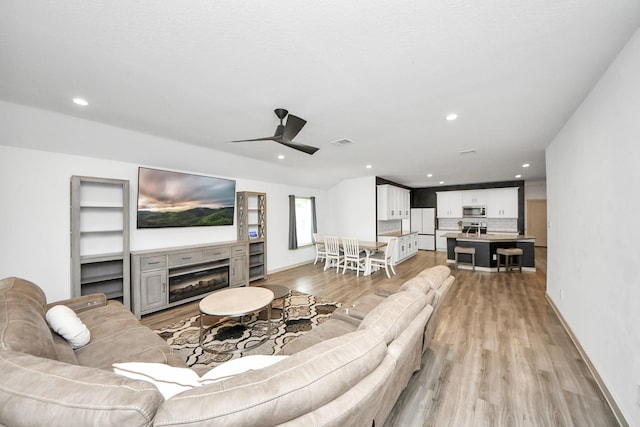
column 426, row 242
column 238, row 274
column 537, row 220
column 428, row 221
column 416, row 220
column 153, row 289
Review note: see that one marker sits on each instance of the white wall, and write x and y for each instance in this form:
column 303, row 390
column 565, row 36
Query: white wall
column 34, row 212
column 535, row 190
column 352, row 209
column 593, row 196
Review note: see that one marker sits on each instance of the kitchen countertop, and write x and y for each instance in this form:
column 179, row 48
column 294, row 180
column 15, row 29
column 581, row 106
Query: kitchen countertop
column 397, row 234
column 489, row 237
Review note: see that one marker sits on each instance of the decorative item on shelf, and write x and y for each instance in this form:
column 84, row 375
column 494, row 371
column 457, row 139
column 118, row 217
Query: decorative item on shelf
column 253, row 234
column 459, row 225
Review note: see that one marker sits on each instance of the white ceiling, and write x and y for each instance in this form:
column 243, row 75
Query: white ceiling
column 383, row 74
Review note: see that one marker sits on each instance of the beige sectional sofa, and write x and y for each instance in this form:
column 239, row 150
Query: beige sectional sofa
column 348, row 371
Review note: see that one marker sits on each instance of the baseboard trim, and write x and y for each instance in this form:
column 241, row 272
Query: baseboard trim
column 622, row 422
column 289, row 267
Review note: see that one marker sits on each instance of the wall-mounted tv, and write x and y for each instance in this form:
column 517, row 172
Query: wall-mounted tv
column 175, row 199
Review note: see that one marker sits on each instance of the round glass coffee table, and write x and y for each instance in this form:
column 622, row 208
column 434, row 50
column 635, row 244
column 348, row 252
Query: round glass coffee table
column 281, row 294
column 236, row 302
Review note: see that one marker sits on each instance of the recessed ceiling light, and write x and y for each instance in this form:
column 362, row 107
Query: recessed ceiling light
column 368, row 166
column 526, row 165
column 518, row 176
column 452, row 116
column 280, row 156
column 441, row 182
column 80, row 101
column 429, row 175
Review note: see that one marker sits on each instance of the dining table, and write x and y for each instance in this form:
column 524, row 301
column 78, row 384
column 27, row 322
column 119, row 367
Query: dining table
column 369, row 248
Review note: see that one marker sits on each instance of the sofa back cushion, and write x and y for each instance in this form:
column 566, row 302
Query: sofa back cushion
column 435, row 276
column 393, row 315
column 23, row 327
column 43, row 392
column 302, row 383
column 417, row 284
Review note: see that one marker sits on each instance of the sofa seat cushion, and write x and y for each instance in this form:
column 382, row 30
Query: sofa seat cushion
column 282, row 392
column 23, row 327
column 329, row 329
column 394, row 314
column 43, row 392
column 355, row 312
column 117, row 336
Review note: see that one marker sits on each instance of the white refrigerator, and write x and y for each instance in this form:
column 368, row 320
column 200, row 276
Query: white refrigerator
column 423, row 222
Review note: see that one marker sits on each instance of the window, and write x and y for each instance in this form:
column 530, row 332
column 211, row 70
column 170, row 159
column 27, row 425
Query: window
column 304, row 221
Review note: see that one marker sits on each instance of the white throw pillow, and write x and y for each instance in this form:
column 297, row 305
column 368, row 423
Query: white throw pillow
column 66, row 322
column 169, row 380
column 237, row 366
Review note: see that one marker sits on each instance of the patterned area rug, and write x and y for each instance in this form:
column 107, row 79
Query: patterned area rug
column 305, row 313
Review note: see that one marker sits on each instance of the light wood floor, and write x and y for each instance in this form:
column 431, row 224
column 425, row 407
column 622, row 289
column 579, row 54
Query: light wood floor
column 500, row 356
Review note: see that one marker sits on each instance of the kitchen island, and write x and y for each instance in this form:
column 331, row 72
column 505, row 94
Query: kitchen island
column 486, row 246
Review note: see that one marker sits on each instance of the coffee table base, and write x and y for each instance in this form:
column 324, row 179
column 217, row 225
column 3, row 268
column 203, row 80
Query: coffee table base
column 210, row 349
column 236, row 303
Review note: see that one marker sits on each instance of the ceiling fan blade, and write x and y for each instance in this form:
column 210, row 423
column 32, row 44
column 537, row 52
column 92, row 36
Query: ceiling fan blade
column 293, row 127
column 300, row 147
column 279, row 132
column 266, row 138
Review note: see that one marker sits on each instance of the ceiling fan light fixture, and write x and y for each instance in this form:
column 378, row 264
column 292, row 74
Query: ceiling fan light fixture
column 341, row 142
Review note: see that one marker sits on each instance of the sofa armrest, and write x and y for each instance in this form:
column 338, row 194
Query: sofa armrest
column 83, row 303
column 40, row 391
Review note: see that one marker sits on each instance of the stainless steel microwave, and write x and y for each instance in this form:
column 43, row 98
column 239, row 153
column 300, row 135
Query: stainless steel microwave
column 474, row 211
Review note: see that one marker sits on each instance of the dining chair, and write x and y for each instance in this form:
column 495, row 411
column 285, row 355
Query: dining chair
column 333, row 255
column 384, row 259
column 318, row 242
column 354, row 258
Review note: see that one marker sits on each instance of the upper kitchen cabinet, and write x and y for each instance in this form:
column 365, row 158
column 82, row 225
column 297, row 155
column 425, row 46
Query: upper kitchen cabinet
column 502, row 202
column 474, row 197
column 449, row 204
column 393, row 202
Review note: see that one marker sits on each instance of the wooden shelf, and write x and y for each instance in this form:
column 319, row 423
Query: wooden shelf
column 100, row 237
column 251, row 210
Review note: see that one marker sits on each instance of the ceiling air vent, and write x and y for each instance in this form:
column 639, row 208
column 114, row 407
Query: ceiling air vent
column 341, row 142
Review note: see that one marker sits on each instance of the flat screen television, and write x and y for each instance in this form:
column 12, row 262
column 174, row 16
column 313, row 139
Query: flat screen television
column 176, row 199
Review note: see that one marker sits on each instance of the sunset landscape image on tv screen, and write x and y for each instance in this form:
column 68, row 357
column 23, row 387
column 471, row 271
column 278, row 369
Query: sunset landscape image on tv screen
column 175, row 199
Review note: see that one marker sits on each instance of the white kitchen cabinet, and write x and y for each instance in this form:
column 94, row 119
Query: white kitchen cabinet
column 449, row 204
column 393, row 202
column 441, row 242
column 406, row 247
column 502, row 202
column 474, row 197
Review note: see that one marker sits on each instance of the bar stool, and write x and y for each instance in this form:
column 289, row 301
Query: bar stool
column 509, row 253
column 465, row 250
